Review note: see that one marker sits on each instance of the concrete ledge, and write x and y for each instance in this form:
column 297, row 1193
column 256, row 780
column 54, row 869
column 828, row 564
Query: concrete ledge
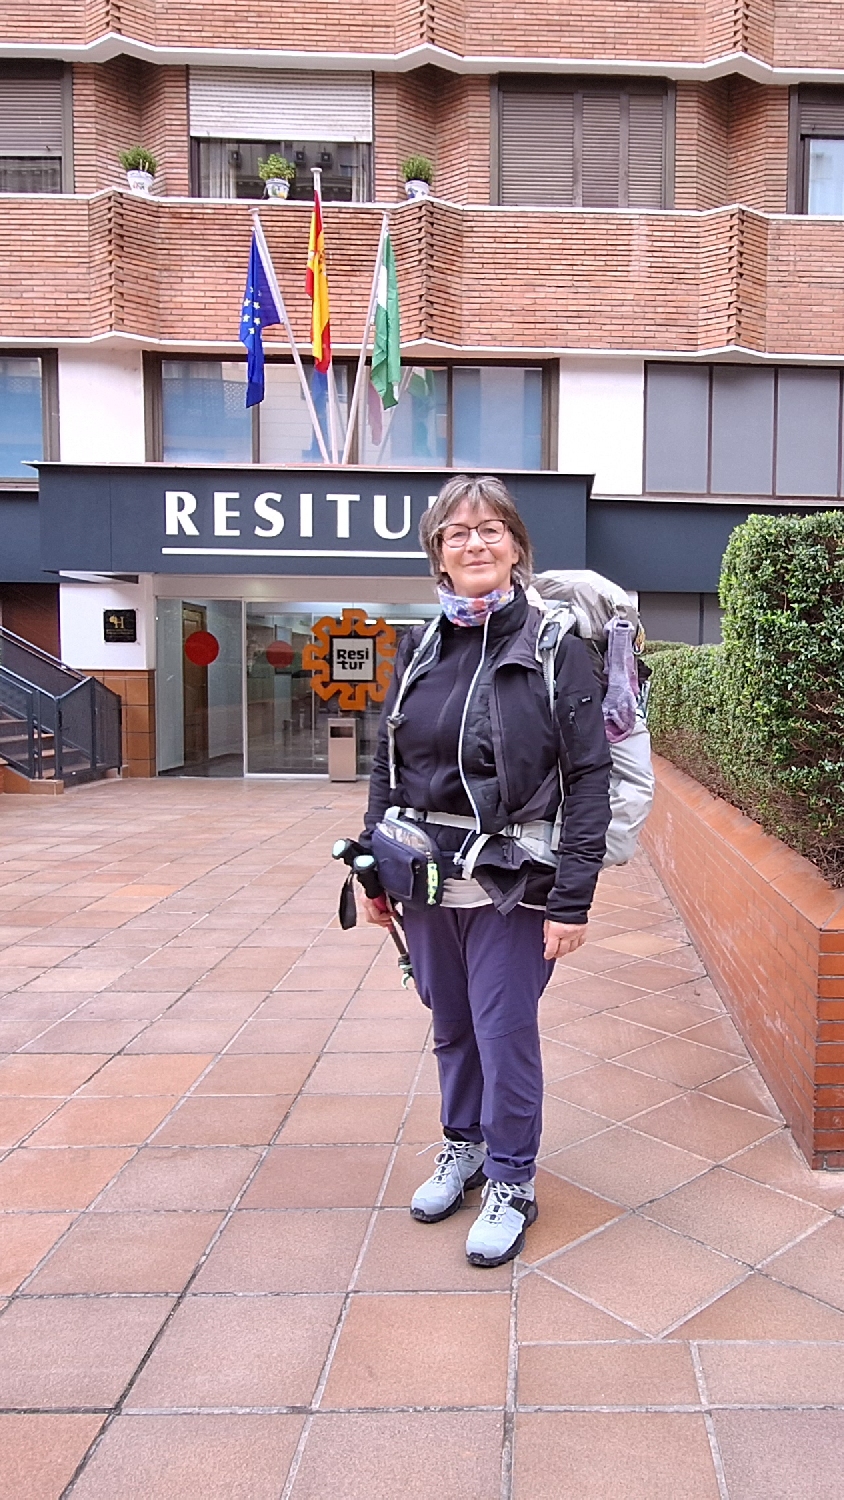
column 770, row 930
column 13, row 781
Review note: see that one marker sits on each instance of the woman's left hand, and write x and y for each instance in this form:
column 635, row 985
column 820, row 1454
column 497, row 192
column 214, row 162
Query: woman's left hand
column 563, row 937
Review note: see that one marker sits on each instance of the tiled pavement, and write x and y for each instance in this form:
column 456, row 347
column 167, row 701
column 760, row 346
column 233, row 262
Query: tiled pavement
column 212, row 1105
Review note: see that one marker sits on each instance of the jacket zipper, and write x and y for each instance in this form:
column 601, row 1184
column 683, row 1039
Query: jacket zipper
column 458, row 858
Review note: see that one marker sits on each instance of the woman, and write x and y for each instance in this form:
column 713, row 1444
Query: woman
column 469, row 746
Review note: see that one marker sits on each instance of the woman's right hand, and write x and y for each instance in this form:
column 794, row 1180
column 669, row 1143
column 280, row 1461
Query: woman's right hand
column 376, row 912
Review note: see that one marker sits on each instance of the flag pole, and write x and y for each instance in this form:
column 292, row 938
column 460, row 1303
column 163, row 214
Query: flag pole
column 332, row 387
column 280, row 304
column 353, row 408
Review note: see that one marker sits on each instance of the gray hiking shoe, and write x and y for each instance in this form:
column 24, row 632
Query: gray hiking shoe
column 457, row 1167
column 498, row 1233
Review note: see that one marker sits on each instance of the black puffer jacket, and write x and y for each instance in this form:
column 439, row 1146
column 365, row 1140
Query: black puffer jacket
column 513, row 755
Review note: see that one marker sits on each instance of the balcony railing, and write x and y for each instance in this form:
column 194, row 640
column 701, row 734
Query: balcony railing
column 172, row 270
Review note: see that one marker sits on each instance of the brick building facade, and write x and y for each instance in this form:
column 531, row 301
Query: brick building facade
column 631, row 267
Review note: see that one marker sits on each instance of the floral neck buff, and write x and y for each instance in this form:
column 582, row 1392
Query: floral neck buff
column 460, row 610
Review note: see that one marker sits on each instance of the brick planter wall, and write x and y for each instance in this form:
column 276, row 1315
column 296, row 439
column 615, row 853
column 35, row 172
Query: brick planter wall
column 771, row 933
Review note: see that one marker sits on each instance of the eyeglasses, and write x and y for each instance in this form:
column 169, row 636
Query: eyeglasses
column 487, row 531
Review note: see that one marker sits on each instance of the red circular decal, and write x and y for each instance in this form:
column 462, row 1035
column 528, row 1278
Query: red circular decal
column 202, row 648
column 280, row 653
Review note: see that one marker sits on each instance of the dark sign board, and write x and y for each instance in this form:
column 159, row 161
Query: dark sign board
column 120, row 625
column 335, row 521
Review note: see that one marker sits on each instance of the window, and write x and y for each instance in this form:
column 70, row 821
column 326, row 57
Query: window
column 27, row 413
column 742, row 430
column 593, row 145
column 32, row 109
column 485, row 416
column 203, row 418
column 818, row 133
column 239, row 116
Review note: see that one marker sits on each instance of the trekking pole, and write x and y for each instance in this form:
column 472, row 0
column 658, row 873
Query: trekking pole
column 364, row 867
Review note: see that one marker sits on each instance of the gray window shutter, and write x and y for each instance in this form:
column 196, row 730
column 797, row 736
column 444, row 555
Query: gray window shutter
column 646, row 151
column 742, row 430
column 821, row 112
column 30, row 115
column 537, row 146
column 601, row 149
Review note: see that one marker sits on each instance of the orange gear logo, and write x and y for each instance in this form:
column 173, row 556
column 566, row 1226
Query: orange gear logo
column 350, row 659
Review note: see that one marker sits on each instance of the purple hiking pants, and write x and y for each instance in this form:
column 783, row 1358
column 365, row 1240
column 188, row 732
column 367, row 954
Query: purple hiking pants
column 482, row 975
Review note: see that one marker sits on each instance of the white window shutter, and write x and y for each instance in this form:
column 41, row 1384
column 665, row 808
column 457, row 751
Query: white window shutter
column 276, row 104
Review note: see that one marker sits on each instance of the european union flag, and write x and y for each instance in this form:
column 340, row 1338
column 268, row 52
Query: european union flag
column 259, row 311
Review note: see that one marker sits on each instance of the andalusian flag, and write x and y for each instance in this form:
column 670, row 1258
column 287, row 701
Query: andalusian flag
column 316, row 286
column 386, row 353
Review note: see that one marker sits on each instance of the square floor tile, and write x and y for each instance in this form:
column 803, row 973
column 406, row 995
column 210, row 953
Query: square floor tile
column 232, row 1120
column 763, row 1309
column 613, row 1456
column 283, row 1036
column 363, row 1073
column 41, row 1452
column 155, row 1074
column 49, row 1076
column 180, row 1177
column 422, row 1349
column 614, row 1091
column 406, row 1256
column 815, row 1265
column 51, row 1179
column 704, row 1125
column 781, row 1455
column 547, row 1313
column 239, row 1352
column 243, row 1457
column 267, row 1073
column 382, row 1034
column 142, row 1252
column 687, row 1064
column 777, row 1162
column 297, row 1250
column 606, row 1034
column 625, row 1166
column 318, row 1177
column 24, row 1239
column 323, row 1119
column 19, row 1117
column 381, row 1455
column 769, row 1374
column 643, row 1274
column 602, row 1375
column 566, row 1214
column 104, row 1122
column 735, row 1215
column 74, row 1351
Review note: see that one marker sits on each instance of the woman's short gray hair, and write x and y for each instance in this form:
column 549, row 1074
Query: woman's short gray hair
column 485, row 490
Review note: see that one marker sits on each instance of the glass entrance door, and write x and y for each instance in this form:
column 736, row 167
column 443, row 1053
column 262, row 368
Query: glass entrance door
column 286, row 722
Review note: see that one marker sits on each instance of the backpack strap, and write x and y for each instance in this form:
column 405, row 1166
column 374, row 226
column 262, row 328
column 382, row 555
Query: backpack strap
column 395, row 718
column 556, row 624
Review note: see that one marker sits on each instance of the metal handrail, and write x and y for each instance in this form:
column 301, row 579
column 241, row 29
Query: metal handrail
column 41, row 655
column 83, row 722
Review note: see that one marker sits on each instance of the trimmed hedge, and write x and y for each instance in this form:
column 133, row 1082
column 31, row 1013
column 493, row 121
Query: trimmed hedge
column 760, row 719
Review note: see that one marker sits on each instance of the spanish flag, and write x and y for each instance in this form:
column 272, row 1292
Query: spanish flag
column 316, row 286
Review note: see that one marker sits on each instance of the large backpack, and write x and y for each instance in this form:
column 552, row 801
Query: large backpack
column 594, row 607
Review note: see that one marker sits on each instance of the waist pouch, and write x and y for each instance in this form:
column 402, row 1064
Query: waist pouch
column 410, row 866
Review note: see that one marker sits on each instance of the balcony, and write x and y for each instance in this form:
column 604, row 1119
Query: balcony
column 689, row 33
column 172, row 270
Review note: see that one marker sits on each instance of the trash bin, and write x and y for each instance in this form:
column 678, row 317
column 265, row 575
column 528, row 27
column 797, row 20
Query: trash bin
column 342, row 749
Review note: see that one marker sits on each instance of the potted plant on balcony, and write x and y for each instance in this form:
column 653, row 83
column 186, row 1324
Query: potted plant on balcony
column 140, row 167
column 418, row 174
column 278, row 173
